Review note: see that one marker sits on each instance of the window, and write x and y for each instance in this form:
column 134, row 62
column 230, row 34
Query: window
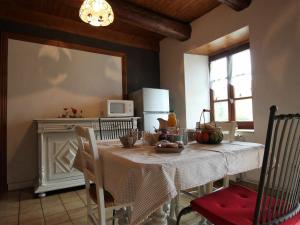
column 230, row 85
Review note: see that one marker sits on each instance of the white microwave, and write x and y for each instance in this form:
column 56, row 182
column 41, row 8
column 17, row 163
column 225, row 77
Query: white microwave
column 119, row 108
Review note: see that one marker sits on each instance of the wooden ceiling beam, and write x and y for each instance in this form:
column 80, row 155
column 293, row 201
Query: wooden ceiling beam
column 22, row 15
column 146, row 19
column 237, row 5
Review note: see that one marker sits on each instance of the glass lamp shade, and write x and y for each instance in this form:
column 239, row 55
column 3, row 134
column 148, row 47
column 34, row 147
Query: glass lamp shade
column 96, row 12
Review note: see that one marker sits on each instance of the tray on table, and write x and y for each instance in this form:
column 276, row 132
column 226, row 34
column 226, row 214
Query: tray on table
column 168, row 150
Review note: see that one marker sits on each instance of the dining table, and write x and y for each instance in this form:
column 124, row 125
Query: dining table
column 148, row 179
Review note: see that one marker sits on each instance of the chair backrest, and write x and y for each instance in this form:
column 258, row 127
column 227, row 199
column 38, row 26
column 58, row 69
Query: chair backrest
column 91, row 166
column 88, row 151
column 228, row 129
column 279, row 186
column 113, row 128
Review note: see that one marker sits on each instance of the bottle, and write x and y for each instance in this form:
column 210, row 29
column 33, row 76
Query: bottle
column 172, row 121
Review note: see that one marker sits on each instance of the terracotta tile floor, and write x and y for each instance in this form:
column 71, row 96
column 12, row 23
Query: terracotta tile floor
column 63, row 208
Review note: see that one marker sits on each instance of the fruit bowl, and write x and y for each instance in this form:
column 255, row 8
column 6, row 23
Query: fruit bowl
column 129, row 139
column 211, row 135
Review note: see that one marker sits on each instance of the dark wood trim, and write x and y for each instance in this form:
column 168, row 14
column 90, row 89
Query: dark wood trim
column 3, row 114
column 237, row 5
column 62, row 44
column 124, row 77
column 212, row 105
column 242, row 98
column 245, row 125
column 223, row 100
column 3, row 82
column 231, row 103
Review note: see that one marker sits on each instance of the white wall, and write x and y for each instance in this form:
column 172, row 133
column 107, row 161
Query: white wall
column 196, row 88
column 42, row 80
column 275, row 51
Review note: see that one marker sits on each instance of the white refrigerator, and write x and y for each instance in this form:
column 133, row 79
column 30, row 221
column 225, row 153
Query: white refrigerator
column 150, row 104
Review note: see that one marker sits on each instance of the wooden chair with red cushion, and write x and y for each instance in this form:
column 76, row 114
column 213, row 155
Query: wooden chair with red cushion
column 277, row 199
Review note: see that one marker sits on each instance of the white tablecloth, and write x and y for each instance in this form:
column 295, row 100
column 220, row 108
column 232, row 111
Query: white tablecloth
column 148, row 179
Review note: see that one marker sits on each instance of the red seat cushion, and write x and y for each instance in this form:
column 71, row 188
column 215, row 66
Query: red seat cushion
column 231, row 206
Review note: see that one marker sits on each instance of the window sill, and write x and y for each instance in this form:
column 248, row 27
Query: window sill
column 245, row 130
column 242, row 134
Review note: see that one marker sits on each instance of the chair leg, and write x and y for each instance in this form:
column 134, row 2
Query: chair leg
column 114, row 213
column 226, row 181
column 184, row 211
column 209, row 187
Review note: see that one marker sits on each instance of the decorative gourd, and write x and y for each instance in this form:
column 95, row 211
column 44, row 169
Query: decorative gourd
column 216, row 136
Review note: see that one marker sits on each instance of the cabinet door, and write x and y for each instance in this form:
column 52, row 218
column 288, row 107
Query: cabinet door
column 61, row 149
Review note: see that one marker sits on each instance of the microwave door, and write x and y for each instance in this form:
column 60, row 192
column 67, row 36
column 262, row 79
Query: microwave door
column 117, row 108
column 151, row 122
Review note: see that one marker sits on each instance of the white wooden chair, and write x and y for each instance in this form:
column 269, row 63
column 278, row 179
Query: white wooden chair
column 91, row 167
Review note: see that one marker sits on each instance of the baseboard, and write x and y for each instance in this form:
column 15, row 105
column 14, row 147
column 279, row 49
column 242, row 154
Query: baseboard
column 20, row 185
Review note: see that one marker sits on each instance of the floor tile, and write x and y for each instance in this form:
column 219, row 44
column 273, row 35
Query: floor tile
column 58, row 209
column 78, row 213
column 9, row 209
column 9, row 220
column 82, row 196
column 57, row 218
column 53, row 209
column 74, row 205
column 33, row 221
column 79, row 222
column 31, row 201
column 81, row 192
column 69, row 197
column 31, row 215
column 32, row 207
column 53, row 199
column 67, row 223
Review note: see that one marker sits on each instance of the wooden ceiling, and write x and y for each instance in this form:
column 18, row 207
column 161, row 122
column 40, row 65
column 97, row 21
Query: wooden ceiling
column 138, row 23
column 184, row 11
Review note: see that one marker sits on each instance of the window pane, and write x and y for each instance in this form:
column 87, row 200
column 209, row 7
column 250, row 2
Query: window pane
column 218, row 69
column 241, row 74
column 221, row 111
column 241, row 63
column 242, row 86
column 220, row 89
column 243, row 110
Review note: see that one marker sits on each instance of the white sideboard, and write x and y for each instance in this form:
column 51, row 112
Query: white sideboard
column 57, row 148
